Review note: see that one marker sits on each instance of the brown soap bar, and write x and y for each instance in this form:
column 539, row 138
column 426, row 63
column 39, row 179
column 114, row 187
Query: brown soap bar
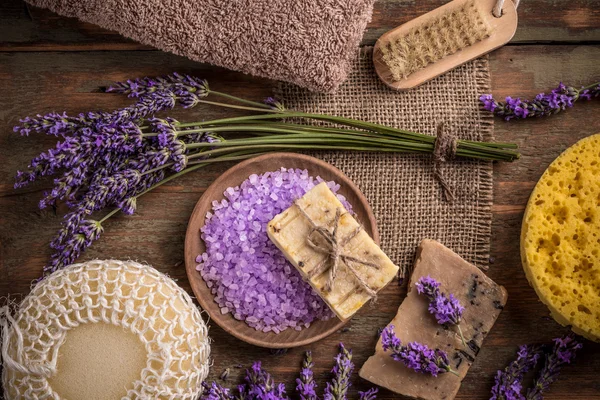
column 483, row 300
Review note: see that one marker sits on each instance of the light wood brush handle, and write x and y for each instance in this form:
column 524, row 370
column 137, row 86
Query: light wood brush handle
column 441, row 40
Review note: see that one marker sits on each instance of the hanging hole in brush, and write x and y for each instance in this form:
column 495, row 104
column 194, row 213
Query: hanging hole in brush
column 497, row 10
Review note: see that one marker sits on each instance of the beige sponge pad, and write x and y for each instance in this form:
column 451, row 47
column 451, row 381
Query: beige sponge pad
column 560, row 238
column 105, row 330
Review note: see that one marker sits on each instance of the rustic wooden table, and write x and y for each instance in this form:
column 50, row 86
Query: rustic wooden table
column 49, row 63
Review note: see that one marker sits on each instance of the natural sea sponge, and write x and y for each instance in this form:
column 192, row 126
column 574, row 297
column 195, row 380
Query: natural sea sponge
column 560, row 238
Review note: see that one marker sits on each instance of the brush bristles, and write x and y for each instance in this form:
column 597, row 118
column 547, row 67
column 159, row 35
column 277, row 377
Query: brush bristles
column 435, row 40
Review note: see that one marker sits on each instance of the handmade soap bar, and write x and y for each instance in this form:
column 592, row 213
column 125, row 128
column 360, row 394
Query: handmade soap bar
column 483, row 301
column 362, row 266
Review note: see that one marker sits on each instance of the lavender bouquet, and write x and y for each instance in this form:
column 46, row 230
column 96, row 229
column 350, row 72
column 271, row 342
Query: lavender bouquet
column 259, row 385
column 104, row 161
column 543, row 105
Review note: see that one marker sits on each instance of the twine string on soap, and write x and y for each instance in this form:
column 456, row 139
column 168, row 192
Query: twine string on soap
column 497, row 10
column 444, row 150
column 333, row 247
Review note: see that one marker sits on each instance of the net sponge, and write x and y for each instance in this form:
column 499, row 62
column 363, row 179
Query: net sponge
column 75, row 328
column 560, row 238
column 438, row 38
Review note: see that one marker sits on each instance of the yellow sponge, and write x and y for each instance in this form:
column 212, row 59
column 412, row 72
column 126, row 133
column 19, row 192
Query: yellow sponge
column 560, row 238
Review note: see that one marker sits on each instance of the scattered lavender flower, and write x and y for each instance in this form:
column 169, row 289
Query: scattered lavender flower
column 416, row 356
column 557, row 100
column 215, row 392
column 337, row 389
column 508, row 383
column 446, row 310
column 370, row 394
column 259, row 385
column 306, row 385
column 562, row 353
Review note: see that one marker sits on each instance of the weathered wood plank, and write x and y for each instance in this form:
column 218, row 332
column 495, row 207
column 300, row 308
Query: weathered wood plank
column 56, row 81
column 539, row 21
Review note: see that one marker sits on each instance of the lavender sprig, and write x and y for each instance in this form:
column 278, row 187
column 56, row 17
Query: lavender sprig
column 174, row 82
column 416, row 356
column 337, row 389
column 562, row 353
column 306, row 385
column 447, row 310
column 508, row 383
column 543, row 105
column 259, row 385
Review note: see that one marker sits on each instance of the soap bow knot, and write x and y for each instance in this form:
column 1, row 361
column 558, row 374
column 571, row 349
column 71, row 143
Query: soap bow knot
column 333, row 246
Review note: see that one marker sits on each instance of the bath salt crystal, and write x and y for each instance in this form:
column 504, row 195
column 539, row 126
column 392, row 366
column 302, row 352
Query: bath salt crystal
column 246, row 272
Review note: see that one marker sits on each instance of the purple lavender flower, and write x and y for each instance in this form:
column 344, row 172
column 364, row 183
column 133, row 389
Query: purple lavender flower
column 557, row 100
column 167, row 140
column 103, row 159
column 306, row 385
column 215, row 392
column 337, row 389
column 562, row 353
column 260, row 385
column 416, row 356
column 370, row 394
column 446, row 310
column 187, row 89
column 81, row 237
column 508, row 383
column 51, row 124
column 274, row 103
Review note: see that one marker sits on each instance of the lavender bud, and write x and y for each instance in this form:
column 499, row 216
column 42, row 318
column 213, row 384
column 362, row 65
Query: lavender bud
column 416, row 356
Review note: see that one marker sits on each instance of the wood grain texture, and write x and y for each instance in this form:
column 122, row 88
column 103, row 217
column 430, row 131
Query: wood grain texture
column 46, row 81
column 26, row 28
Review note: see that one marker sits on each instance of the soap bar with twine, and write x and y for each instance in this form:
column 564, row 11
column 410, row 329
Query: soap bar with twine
column 332, row 251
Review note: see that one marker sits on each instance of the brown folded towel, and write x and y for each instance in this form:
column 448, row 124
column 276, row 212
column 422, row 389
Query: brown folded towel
column 307, row 42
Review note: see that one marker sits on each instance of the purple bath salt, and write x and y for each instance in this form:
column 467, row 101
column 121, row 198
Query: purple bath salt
column 248, row 275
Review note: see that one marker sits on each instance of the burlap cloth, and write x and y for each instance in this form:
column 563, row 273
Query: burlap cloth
column 401, row 188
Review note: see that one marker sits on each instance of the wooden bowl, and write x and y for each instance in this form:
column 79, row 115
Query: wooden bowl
column 195, row 246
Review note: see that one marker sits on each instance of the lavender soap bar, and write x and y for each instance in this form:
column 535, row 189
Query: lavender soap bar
column 483, row 300
column 305, row 232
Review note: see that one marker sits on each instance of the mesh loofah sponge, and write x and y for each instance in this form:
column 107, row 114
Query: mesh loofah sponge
column 560, row 238
column 104, row 330
column 444, row 35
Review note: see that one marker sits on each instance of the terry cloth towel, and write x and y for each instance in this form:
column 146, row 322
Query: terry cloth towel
column 307, row 42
